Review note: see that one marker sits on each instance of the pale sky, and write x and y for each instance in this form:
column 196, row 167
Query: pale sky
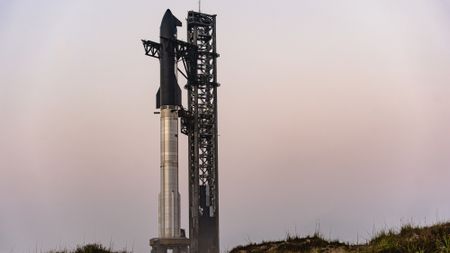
column 333, row 114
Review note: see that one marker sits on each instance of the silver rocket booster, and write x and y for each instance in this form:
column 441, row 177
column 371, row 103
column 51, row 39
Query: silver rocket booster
column 169, row 197
column 169, row 102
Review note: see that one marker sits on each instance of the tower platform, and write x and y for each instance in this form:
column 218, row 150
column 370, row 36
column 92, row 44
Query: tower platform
column 177, row 245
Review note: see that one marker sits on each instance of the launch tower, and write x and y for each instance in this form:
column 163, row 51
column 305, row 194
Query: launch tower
column 201, row 129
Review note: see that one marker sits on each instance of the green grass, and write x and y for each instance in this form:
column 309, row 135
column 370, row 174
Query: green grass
column 409, row 239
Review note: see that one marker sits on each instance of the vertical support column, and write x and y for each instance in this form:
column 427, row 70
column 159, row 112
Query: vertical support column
column 203, row 143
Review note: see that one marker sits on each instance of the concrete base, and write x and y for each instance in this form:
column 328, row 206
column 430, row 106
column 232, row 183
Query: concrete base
column 176, row 245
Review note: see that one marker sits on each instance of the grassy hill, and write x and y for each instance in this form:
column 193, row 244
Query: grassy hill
column 409, row 239
column 432, row 239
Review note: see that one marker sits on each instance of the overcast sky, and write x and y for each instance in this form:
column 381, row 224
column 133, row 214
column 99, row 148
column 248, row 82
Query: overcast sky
column 333, row 114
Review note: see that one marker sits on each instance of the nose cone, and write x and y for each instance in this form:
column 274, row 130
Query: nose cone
column 169, row 25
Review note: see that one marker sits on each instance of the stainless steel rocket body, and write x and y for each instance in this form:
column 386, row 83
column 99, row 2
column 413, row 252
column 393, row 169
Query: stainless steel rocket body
column 169, row 197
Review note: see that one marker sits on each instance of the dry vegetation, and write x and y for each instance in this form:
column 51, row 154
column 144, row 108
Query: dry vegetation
column 433, row 239
column 409, row 239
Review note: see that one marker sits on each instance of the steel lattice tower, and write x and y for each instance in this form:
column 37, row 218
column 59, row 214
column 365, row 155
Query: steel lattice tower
column 201, row 128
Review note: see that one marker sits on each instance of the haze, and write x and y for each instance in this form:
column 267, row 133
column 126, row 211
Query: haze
column 334, row 116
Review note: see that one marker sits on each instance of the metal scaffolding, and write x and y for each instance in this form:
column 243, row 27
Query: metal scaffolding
column 201, row 128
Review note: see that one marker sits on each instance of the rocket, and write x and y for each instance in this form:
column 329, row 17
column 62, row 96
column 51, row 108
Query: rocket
column 199, row 122
column 168, row 100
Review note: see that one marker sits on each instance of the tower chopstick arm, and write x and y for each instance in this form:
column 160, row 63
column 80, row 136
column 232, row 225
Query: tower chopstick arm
column 151, row 48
